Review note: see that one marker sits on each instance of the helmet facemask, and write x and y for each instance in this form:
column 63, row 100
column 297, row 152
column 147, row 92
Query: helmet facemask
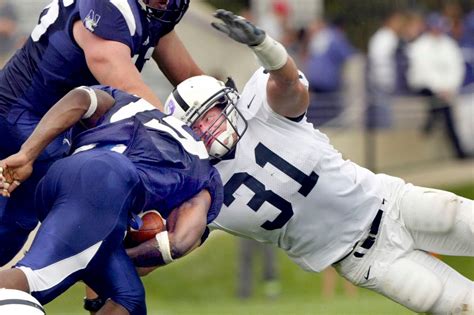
column 222, row 134
column 166, row 11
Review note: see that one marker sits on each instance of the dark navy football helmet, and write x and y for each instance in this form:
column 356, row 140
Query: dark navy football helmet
column 166, row 11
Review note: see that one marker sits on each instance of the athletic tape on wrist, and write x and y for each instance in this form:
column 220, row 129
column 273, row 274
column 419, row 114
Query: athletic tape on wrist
column 164, row 246
column 271, row 54
column 93, row 104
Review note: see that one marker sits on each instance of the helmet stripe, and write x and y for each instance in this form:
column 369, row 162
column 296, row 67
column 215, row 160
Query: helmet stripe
column 22, row 302
column 180, row 100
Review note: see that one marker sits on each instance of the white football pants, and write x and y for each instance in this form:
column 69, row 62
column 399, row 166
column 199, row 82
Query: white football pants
column 418, row 220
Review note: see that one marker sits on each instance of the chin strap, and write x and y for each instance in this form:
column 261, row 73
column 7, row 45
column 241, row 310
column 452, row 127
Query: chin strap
column 218, row 149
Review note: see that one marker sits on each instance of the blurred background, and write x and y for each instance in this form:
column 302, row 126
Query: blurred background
column 392, row 84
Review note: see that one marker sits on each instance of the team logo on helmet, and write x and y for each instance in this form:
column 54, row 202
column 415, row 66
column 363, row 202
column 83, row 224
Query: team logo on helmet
column 171, row 106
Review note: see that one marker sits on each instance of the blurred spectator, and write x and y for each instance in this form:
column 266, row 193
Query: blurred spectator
column 8, row 30
column 248, row 250
column 330, row 279
column 436, row 69
column 413, row 27
column 466, row 41
column 453, row 12
column 276, row 22
column 328, row 52
column 382, row 69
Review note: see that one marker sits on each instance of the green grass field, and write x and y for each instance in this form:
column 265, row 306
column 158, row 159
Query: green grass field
column 205, row 283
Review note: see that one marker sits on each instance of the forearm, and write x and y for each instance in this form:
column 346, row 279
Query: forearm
column 285, row 92
column 62, row 116
column 174, row 60
column 185, row 227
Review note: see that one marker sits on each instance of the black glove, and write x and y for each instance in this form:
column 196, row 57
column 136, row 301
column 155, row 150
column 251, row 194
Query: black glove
column 238, row 28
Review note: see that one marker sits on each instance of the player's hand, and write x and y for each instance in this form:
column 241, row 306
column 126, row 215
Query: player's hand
column 13, row 171
column 238, row 28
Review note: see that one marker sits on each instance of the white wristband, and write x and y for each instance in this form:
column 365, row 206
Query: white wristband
column 93, row 104
column 164, row 246
column 271, row 54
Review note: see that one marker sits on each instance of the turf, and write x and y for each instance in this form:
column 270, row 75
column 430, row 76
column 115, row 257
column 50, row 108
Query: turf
column 205, row 283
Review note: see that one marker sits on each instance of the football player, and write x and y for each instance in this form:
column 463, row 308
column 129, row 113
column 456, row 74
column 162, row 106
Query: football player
column 285, row 184
column 78, row 43
column 127, row 156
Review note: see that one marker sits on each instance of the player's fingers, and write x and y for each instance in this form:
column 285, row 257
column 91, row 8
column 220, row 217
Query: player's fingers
column 5, row 193
column 245, row 26
column 14, row 185
column 226, row 16
column 221, row 27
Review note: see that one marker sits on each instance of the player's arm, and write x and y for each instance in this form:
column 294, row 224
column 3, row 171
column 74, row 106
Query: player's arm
column 81, row 103
column 174, row 60
column 185, row 226
column 286, row 94
column 111, row 64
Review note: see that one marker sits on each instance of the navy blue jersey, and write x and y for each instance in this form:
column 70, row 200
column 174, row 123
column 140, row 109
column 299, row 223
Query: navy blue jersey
column 171, row 161
column 50, row 64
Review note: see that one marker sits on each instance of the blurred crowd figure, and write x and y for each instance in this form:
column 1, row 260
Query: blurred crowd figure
column 328, row 50
column 436, row 70
column 8, row 30
column 248, row 252
column 382, row 78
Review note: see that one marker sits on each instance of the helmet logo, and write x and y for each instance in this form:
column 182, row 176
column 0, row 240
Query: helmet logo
column 171, row 106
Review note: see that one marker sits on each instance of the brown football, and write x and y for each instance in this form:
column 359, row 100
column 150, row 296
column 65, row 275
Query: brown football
column 153, row 224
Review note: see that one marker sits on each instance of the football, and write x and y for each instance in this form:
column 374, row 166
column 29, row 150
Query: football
column 153, row 223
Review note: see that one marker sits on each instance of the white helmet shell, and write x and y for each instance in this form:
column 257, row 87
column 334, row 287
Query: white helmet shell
column 17, row 302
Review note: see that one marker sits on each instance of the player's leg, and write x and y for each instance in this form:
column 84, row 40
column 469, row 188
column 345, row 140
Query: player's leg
column 17, row 213
column 439, row 221
column 85, row 199
column 424, row 283
column 114, row 277
column 12, row 236
column 18, row 216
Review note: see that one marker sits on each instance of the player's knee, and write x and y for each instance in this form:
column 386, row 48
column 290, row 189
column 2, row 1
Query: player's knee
column 411, row 285
column 133, row 300
column 459, row 302
column 429, row 210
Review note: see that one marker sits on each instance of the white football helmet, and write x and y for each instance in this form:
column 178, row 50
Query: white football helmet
column 19, row 302
column 192, row 98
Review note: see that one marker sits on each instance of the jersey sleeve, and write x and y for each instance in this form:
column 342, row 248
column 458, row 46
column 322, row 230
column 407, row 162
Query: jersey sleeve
column 109, row 21
column 216, row 190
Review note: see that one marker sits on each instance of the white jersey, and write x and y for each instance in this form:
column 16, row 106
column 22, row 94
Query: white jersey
column 285, row 184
